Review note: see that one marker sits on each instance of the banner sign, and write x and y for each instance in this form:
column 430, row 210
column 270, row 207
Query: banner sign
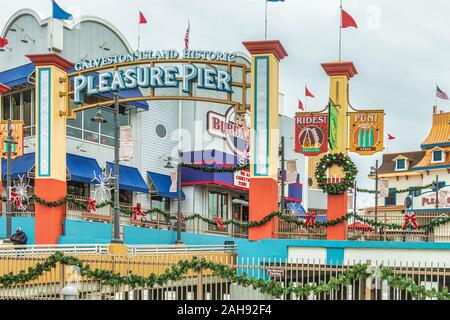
column 333, row 125
column 366, row 132
column 311, row 133
column 17, row 133
column 234, row 128
column 242, row 179
column 427, row 200
column 126, row 143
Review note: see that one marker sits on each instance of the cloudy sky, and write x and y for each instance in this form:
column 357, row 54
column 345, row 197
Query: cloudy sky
column 400, row 48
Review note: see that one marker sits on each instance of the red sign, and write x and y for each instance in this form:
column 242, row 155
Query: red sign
column 311, row 133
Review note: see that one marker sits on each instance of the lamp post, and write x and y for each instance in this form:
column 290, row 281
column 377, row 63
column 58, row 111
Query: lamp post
column 98, row 118
column 170, row 166
column 9, row 141
column 283, row 176
column 374, row 170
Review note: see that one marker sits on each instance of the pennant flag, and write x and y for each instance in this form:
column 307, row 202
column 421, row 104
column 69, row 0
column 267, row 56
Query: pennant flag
column 441, row 94
column 186, row 37
column 347, row 20
column 275, row 0
column 3, row 42
column 59, row 13
column 308, row 93
column 390, row 137
column 300, row 105
column 142, row 19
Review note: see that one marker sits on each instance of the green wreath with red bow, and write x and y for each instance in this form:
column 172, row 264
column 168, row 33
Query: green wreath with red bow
column 347, row 165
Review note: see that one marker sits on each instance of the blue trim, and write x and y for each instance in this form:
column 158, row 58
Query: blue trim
column 369, row 244
column 442, row 144
column 432, row 167
column 335, row 256
column 49, row 121
column 255, row 122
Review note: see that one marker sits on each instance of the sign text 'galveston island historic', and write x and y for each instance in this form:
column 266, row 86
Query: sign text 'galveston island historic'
column 146, row 76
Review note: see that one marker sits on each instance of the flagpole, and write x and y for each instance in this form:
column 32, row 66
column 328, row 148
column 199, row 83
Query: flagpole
column 305, row 96
column 340, row 31
column 265, row 24
column 435, row 95
column 139, row 36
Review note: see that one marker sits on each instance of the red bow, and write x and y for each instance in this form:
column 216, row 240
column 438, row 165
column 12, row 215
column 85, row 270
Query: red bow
column 219, row 222
column 311, row 219
column 410, row 218
column 91, row 205
column 181, row 217
column 15, row 199
column 138, row 209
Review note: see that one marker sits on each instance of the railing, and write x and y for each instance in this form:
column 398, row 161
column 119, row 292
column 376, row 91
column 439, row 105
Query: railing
column 361, row 231
column 205, row 285
column 289, row 230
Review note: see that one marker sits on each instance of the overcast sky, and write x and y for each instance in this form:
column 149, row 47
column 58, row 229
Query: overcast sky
column 400, row 49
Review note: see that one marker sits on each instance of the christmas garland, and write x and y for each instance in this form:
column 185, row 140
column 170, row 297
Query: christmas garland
column 347, row 166
column 409, row 189
column 181, row 268
column 215, row 170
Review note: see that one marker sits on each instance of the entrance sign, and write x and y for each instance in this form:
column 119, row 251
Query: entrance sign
column 17, row 133
column 366, row 132
column 233, row 127
column 311, row 133
column 139, row 76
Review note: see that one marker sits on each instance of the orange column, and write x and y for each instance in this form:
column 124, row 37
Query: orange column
column 3, row 90
column 50, row 167
column 264, row 137
column 340, row 73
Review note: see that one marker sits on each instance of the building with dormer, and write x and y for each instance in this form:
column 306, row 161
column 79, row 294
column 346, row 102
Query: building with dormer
column 402, row 170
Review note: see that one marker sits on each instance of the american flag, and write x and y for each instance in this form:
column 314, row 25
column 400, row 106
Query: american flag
column 441, row 94
column 186, row 37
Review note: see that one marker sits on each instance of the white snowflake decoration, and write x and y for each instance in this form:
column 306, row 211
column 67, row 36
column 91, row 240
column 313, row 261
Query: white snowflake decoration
column 103, row 185
column 21, row 187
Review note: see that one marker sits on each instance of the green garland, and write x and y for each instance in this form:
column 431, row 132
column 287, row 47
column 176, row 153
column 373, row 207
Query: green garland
column 180, row 269
column 215, row 170
column 341, row 160
column 409, row 189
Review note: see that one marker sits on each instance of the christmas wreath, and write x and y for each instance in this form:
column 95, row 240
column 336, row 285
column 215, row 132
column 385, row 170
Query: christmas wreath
column 341, row 160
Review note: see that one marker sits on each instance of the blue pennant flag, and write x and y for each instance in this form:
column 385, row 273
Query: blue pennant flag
column 59, row 13
column 275, row 0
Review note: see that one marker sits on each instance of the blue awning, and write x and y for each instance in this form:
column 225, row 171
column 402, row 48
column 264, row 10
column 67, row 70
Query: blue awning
column 129, row 178
column 20, row 166
column 17, row 76
column 162, row 185
column 82, row 168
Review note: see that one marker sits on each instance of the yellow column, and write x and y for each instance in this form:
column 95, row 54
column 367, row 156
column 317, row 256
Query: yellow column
column 264, row 162
column 50, row 180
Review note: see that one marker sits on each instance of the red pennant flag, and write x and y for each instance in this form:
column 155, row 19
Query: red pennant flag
column 3, row 42
column 347, row 20
column 308, row 93
column 390, row 137
column 300, row 105
column 142, row 19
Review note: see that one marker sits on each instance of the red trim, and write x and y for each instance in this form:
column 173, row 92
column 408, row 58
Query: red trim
column 340, row 69
column 292, row 199
column 214, row 162
column 268, row 46
column 52, row 59
column 203, row 182
column 4, row 89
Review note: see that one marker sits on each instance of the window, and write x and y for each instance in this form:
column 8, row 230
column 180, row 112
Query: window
column 84, row 128
column 218, row 205
column 161, row 131
column 390, row 200
column 20, row 106
column 400, row 164
column 438, row 156
column 78, row 189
